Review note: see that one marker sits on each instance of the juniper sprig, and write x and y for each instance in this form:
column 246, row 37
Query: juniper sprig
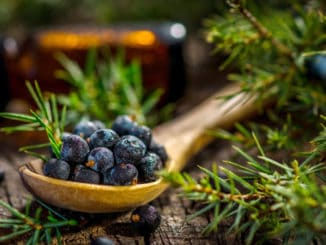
column 106, row 88
column 269, row 46
column 265, row 198
column 45, row 118
column 42, row 225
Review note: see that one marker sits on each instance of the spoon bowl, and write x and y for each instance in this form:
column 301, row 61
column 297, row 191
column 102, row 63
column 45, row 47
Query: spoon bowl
column 85, row 197
column 182, row 137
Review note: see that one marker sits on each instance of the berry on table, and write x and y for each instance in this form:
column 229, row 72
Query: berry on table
column 146, row 218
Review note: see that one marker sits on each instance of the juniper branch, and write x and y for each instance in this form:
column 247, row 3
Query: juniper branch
column 262, row 30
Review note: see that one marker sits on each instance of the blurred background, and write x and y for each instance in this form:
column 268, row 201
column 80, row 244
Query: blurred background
column 167, row 37
column 24, row 14
column 178, row 60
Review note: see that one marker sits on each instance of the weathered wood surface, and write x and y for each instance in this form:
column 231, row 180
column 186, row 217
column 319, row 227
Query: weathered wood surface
column 174, row 209
column 173, row 228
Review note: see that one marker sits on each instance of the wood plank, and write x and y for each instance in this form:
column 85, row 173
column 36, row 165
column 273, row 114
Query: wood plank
column 3, row 194
column 176, row 230
column 13, row 190
column 4, row 213
column 172, row 230
column 174, row 210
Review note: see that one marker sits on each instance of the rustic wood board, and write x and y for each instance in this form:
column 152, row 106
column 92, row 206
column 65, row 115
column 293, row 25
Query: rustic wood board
column 203, row 81
column 174, row 209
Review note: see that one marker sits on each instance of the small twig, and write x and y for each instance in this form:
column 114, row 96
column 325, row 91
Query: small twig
column 226, row 196
column 262, row 30
column 22, row 223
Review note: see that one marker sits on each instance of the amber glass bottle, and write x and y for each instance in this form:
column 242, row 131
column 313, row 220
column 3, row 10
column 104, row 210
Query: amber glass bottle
column 158, row 46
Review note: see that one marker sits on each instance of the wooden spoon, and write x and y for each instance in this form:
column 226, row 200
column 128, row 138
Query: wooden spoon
column 182, row 137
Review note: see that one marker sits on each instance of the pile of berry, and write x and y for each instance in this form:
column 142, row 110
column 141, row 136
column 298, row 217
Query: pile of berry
column 126, row 154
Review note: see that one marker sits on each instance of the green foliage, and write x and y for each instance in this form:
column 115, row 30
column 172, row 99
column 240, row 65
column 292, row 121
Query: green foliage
column 46, row 118
column 105, row 89
column 43, row 225
column 268, row 52
column 268, row 49
column 267, row 45
column 264, row 197
column 35, row 13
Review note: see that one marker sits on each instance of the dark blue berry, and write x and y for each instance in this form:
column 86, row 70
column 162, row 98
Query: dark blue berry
column 99, row 124
column 145, row 218
column 122, row 174
column 103, row 138
column 74, row 149
column 65, row 134
column 159, row 150
column 100, row 159
column 129, row 149
column 57, row 169
column 144, row 133
column 123, row 125
column 86, row 175
column 317, row 66
column 148, row 166
column 102, row 241
column 84, row 129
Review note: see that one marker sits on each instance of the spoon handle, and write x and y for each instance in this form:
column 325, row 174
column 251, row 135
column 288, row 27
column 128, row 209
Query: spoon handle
column 182, row 137
column 186, row 135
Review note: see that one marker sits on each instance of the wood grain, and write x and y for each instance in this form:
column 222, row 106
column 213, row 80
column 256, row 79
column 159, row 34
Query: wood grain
column 182, row 137
column 173, row 209
column 174, row 229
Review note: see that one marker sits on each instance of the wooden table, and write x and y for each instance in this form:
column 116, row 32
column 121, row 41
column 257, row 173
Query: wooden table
column 173, row 228
column 174, row 209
